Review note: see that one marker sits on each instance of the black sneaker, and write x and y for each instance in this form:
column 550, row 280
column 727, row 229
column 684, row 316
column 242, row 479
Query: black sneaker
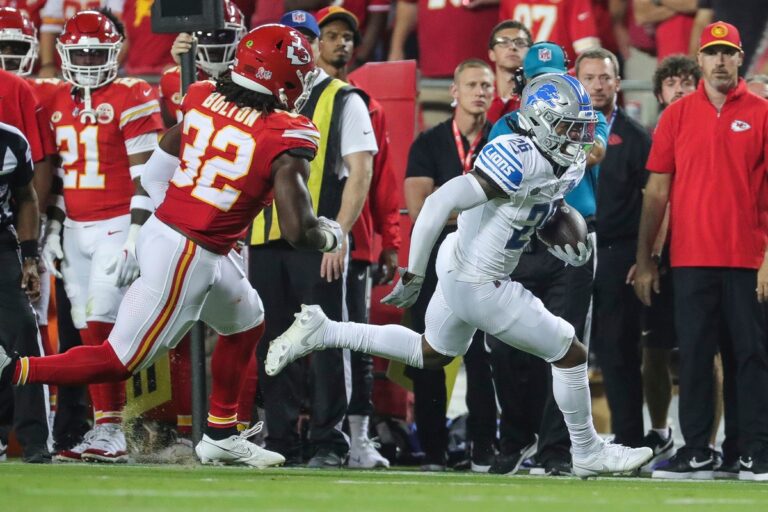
column 688, row 464
column 509, row 464
column 728, row 469
column 663, row 450
column 754, row 467
column 482, row 458
column 37, row 456
column 326, row 458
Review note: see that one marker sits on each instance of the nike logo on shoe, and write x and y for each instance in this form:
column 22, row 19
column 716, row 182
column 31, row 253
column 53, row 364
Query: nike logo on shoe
column 746, row 463
column 695, row 464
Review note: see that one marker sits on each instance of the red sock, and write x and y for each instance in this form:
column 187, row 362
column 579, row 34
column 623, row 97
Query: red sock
column 75, row 367
column 181, row 385
column 48, row 350
column 111, row 395
column 247, row 392
column 228, row 364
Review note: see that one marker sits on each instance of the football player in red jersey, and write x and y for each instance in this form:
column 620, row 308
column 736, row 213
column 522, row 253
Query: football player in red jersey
column 215, row 53
column 239, row 147
column 106, row 128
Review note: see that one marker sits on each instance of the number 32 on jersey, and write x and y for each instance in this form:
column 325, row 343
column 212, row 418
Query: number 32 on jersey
column 227, row 153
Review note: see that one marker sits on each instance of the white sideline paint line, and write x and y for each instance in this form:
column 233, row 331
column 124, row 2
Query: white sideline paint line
column 710, row 501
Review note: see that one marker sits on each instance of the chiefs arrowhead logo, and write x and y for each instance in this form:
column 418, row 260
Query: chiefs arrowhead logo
column 740, row 126
column 297, row 53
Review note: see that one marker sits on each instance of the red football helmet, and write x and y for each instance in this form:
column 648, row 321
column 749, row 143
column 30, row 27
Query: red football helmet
column 18, row 41
column 88, row 47
column 216, row 49
column 277, row 60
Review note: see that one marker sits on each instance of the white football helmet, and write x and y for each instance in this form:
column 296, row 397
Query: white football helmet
column 557, row 112
column 216, row 49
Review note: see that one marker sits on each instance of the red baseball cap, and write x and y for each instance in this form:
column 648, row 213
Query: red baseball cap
column 333, row 13
column 720, row 33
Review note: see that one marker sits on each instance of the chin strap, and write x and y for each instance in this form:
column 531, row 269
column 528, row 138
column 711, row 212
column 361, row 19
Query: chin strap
column 87, row 115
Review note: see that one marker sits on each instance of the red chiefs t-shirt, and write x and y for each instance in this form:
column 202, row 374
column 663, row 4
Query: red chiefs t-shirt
column 225, row 176
column 604, row 25
column 149, row 53
column 673, row 35
column 500, row 107
column 97, row 181
column 564, row 22
column 20, row 108
column 449, row 33
column 719, row 167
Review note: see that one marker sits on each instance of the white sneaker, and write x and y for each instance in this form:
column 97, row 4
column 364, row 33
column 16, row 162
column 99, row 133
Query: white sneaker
column 363, row 454
column 75, row 454
column 237, row 450
column 610, row 458
column 305, row 335
column 3, row 450
column 108, row 445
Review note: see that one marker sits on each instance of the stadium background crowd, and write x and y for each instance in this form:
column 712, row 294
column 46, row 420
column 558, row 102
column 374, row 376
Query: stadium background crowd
column 467, row 54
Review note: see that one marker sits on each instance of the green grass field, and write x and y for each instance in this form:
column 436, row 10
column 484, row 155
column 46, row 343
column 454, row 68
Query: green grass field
column 84, row 488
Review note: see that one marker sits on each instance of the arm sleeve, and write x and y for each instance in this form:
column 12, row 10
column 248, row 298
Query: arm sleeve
column 356, row 129
column 662, row 156
column 501, row 166
column 157, row 174
column 458, row 194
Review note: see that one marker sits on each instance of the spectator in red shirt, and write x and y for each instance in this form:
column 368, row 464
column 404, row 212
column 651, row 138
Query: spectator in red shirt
column 673, row 20
column 708, row 160
column 570, row 24
column 448, row 34
column 507, row 47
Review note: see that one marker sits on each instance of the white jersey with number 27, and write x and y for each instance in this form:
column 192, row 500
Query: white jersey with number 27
column 492, row 236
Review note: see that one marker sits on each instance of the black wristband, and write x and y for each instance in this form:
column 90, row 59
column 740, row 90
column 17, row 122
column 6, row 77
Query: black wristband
column 28, row 249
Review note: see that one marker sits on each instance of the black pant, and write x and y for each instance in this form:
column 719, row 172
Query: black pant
column 617, row 340
column 24, row 407
column 358, row 297
column 704, row 296
column 524, row 381
column 72, row 404
column 429, row 393
column 286, row 278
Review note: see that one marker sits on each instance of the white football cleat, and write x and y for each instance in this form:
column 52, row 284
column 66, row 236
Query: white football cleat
column 610, row 458
column 305, row 335
column 237, row 450
column 363, row 454
column 75, row 454
column 107, row 445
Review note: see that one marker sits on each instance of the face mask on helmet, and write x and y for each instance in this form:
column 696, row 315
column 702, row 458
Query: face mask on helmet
column 17, row 56
column 216, row 49
column 89, row 65
column 557, row 111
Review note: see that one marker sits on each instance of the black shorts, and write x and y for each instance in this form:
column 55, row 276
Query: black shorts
column 658, row 320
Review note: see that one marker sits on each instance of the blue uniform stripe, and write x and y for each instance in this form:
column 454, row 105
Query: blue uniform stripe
column 507, row 182
column 514, row 159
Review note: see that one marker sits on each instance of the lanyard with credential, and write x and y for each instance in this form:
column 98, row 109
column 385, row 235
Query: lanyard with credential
column 465, row 157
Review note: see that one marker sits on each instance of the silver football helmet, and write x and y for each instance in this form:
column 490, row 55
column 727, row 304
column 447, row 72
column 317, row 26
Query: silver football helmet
column 557, row 111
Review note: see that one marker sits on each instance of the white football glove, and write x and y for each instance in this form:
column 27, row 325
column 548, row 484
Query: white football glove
column 52, row 251
column 567, row 254
column 404, row 295
column 333, row 234
column 124, row 264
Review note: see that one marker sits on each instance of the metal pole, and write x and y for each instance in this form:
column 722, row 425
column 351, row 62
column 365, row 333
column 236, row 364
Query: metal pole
column 197, row 344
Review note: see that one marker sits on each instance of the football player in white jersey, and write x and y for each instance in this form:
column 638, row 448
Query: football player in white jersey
column 513, row 189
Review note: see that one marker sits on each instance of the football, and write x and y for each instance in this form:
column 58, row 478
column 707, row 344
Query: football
column 565, row 226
